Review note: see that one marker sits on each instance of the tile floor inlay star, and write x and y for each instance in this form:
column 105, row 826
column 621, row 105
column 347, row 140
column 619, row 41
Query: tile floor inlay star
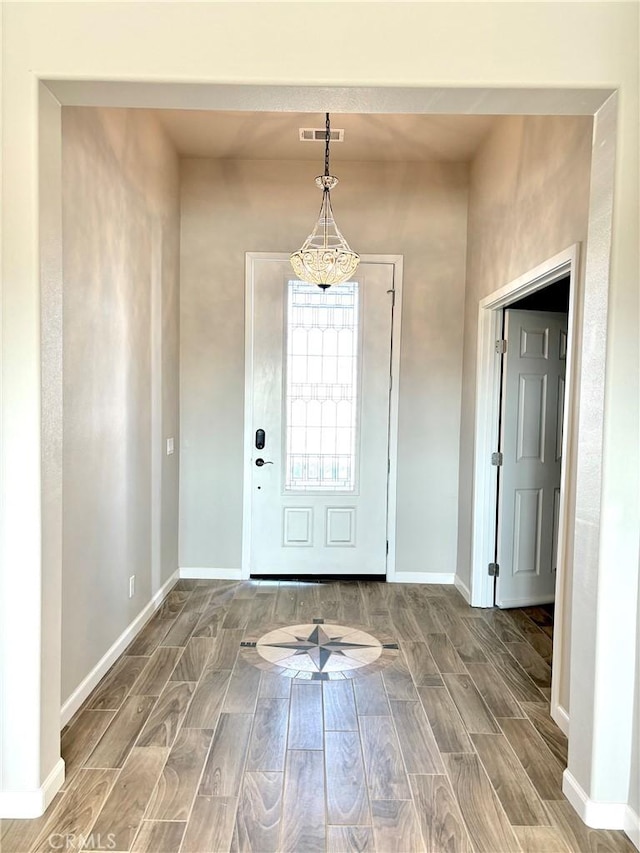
column 319, row 648
column 319, row 651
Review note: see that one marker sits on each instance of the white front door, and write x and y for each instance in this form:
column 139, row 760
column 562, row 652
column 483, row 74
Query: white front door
column 531, row 443
column 319, row 401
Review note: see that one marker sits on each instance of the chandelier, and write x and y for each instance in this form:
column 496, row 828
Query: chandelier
column 325, row 257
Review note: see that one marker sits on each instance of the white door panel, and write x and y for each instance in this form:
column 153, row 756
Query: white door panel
column 532, row 397
column 320, row 392
column 531, row 443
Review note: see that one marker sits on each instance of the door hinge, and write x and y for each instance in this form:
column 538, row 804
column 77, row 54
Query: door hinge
column 494, row 570
column 393, row 296
column 497, row 458
column 501, row 347
column 387, row 547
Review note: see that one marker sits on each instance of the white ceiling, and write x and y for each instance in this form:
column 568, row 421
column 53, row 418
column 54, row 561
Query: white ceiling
column 275, row 136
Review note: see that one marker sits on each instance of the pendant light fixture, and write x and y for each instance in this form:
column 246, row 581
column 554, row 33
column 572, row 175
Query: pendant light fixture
column 325, row 257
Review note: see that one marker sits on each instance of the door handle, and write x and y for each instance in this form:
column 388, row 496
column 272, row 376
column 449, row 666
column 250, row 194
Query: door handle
column 261, row 462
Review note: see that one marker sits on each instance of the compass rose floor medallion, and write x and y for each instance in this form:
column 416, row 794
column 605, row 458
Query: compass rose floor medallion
column 320, row 651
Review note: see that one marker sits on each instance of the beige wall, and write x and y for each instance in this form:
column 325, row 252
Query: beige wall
column 231, row 207
column 120, row 351
column 528, row 200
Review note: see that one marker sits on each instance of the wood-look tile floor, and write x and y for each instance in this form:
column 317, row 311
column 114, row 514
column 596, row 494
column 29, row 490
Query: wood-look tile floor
column 186, row 747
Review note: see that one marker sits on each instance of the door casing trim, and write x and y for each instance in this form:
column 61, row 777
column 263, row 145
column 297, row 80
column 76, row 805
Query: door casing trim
column 394, row 399
column 483, row 520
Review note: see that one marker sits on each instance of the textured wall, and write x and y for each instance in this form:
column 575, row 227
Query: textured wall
column 528, row 200
column 228, row 208
column 120, row 351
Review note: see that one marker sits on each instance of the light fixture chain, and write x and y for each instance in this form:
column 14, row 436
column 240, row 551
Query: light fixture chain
column 325, row 257
column 326, row 148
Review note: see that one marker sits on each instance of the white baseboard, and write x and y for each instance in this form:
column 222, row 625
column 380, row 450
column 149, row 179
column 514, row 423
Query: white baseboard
column 597, row 815
column 632, row 826
column 422, row 577
column 26, row 805
column 210, row 574
column 100, row 669
column 196, row 573
column 561, row 718
column 462, row 588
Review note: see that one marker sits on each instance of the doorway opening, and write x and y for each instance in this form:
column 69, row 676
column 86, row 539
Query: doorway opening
column 321, row 412
column 600, row 253
column 529, row 455
column 525, row 292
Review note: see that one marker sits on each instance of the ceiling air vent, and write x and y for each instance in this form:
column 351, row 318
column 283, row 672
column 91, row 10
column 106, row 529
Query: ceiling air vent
column 318, row 134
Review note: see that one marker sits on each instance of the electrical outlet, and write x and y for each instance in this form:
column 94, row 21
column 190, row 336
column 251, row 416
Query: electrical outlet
column 132, row 586
column 169, row 446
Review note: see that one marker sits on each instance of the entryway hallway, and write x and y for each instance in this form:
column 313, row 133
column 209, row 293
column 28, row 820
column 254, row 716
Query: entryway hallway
column 272, row 716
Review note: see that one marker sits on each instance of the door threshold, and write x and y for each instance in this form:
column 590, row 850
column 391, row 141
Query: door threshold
column 315, row 579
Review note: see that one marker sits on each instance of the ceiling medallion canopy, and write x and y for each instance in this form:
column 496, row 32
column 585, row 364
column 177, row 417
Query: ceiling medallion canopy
column 325, row 257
